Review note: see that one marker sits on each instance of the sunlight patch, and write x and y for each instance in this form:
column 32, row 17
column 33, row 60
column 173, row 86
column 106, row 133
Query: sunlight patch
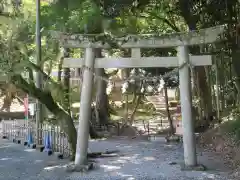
column 38, row 161
column 97, row 140
column 5, row 159
column 50, row 168
column 119, row 161
column 133, row 159
column 149, row 158
column 4, row 146
column 76, row 105
column 210, row 176
column 128, row 176
column 157, row 138
column 110, row 168
column 168, row 145
column 29, row 150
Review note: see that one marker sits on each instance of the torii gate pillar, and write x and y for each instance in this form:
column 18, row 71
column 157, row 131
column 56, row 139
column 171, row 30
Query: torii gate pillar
column 190, row 157
column 85, row 108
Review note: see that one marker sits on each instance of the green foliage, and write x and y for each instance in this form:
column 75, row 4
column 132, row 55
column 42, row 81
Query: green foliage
column 113, row 8
column 234, row 128
column 70, row 16
column 17, row 38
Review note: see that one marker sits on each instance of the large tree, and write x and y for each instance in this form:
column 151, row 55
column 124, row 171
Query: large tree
column 94, row 16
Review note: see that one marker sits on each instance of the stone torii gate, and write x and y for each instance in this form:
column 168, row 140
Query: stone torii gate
column 178, row 40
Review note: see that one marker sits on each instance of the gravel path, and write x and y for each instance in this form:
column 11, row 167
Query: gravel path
column 138, row 160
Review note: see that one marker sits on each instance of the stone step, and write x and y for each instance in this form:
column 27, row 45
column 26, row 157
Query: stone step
column 160, row 102
column 159, row 105
column 156, row 101
column 159, row 98
column 155, row 96
column 160, row 108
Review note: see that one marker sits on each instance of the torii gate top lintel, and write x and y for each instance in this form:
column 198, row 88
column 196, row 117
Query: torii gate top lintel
column 203, row 36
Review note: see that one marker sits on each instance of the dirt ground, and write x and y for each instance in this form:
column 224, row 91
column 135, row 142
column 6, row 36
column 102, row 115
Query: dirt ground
column 138, row 159
column 224, row 146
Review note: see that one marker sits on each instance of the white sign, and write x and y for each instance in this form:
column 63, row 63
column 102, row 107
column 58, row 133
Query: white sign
column 32, row 108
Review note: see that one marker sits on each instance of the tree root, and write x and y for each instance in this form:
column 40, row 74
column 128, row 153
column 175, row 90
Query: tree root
column 80, row 168
column 90, row 164
column 102, row 154
column 95, row 155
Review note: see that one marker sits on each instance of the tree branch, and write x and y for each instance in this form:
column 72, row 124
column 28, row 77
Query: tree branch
column 166, row 21
column 45, row 76
column 44, row 97
column 6, row 14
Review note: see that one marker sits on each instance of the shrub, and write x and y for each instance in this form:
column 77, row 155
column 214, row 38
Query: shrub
column 233, row 127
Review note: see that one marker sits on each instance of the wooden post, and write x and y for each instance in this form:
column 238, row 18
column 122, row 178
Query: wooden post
column 85, row 109
column 39, row 80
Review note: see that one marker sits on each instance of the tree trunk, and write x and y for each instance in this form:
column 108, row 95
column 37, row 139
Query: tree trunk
column 168, row 112
column 221, row 83
column 194, row 84
column 204, row 92
column 124, row 75
column 135, row 109
column 216, row 92
column 66, row 84
column 136, row 99
column 234, row 39
column 60, row 70
column 177, row 94
column 235, row 66
column 102, row 104
column 200, row 101
column 185, row 7
column 135, row 96
column 62, row 116
column 46, row 98
column 209, row 90
column 67, row 125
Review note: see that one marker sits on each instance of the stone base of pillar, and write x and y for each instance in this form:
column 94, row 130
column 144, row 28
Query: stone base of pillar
column 198, row 167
